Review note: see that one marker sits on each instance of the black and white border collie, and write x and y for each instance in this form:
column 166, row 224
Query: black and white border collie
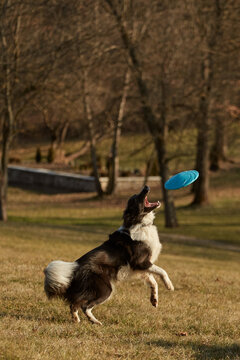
column 131, row 250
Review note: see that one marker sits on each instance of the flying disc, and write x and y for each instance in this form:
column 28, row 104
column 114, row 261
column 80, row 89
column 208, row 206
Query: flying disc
column 181, row 179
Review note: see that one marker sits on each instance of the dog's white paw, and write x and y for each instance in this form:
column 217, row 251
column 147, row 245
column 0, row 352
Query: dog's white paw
column 97, row 322
column 170, row 286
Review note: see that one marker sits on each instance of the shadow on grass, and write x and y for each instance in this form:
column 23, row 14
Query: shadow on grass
column 204, row 351
column 94, row 225
column 98, row 231
column 45, row 190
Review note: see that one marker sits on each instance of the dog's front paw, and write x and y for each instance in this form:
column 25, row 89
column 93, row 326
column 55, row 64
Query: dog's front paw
column 154, row 300
column 170, row 286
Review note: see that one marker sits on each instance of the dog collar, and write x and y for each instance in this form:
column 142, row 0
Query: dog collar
column 124, row 231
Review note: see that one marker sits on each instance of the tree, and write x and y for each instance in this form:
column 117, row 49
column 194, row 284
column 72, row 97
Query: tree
column 94, row 90
column 56, row 121
column 155, row 119
column 92, row 136
column 225, row 90
column 9, row 67
column 26, row 62
column 208, row 20
column 113, row 173
column 218, row 148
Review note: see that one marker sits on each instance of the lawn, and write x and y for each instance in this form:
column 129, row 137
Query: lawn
column 199, row 320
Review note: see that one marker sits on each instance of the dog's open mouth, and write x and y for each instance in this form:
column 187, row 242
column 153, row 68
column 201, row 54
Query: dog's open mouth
column 150, row 206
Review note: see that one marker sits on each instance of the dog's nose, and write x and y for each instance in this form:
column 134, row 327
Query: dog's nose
column 146, row 188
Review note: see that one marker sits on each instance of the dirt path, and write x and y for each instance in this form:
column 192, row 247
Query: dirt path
column 182, row 239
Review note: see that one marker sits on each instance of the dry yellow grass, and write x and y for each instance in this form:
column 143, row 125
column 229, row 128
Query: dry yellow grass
column 205, row 304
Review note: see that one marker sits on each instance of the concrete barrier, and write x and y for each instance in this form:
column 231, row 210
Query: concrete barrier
column 48, row 180
column 132, row 182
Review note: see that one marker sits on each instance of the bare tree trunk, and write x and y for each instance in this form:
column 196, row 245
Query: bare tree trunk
column 113, row 164
column 149, row 116
column 61, row 134
column 6, row 131
column 114, row 157
column 94, row 153
column 149, row 166
column 4, row 169
column 6, row 140
column 159, row 138
column 218, row 148
column 201, row 187
column 58, row 133
column 92, row 138
column 160, row 144
column 169, row 210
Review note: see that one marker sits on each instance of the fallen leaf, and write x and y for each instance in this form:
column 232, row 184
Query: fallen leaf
column 182, row 333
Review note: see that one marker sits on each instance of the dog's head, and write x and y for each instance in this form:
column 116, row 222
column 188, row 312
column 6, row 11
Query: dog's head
column 138, row 206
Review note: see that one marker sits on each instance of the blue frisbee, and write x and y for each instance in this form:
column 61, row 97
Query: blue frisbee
column 181, row 180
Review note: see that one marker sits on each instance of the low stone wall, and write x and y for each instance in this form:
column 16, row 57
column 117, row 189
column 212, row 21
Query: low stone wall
column 47, row 180
column 132, row 182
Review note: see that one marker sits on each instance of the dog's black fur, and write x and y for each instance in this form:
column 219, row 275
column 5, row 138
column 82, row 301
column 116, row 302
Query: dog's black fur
column 101, row 267
column 94, row 273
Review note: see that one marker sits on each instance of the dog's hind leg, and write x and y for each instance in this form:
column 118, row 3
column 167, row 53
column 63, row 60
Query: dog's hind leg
column 149, row 278
column 102, row 292
column 154, row 269
column 74, row 313
column 88, row 312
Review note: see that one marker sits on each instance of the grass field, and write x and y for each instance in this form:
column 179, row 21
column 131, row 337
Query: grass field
column 199, row 320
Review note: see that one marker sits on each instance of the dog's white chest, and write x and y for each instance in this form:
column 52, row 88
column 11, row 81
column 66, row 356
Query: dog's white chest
column 149, row 235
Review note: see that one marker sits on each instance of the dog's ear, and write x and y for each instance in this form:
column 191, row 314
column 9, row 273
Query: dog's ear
column 131, row 217
column 127, row 219
column 133, row 213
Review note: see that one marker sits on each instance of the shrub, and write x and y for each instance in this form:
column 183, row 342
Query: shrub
column 38, row 156
column 50, row 155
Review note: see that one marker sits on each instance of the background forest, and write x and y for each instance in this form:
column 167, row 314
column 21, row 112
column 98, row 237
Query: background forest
column 115, row 88
column 98, row 70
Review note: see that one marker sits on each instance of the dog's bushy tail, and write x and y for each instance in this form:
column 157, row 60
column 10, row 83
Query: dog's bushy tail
column 58, row 276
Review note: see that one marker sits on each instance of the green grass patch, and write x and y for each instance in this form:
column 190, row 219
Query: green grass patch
column 219, row 221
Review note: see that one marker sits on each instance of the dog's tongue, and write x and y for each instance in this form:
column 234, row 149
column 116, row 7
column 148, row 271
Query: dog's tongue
column 148, row 204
